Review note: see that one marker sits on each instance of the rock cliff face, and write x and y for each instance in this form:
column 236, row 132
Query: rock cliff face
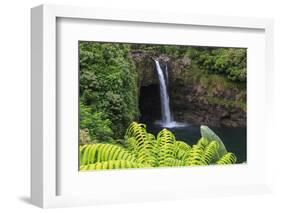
column 195, row 97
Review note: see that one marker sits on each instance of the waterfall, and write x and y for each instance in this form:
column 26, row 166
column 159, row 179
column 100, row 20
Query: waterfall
column 166, row 74
column 165, row 105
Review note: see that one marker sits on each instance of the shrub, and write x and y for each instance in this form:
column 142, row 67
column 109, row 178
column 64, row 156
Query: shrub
column 95, row 124
column 227, row 61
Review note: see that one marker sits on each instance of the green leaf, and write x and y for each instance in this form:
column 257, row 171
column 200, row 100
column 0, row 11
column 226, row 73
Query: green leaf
column 209, row 135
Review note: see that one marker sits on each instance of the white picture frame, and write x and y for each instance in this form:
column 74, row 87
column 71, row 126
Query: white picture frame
column 45, row 152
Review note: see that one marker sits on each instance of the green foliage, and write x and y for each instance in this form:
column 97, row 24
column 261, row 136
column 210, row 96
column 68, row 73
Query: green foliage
column 112, row 164
column 142, row 150
column 181, row 150
column 95, row 124
column 171, row 50
column 210, row 136
column 144, row 145
column 196, row 156
column 215, row 86
column 211, row 152
column 108, row 84
column 100, row 152
column 166, row 149
column 228, row 158
column 228, row 61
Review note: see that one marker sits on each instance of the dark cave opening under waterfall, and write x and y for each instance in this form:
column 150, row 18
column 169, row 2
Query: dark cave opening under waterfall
column 149, row 103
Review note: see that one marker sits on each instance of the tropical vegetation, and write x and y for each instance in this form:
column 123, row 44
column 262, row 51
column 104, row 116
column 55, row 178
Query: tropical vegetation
column 110, row 136
column 142, row 149
column 108, row 88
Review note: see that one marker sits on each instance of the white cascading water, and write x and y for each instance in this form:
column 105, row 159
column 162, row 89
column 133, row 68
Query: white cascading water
column 166, row 75
column 165, row 105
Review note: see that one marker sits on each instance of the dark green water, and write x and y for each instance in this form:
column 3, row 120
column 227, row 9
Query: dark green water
column 234, row 139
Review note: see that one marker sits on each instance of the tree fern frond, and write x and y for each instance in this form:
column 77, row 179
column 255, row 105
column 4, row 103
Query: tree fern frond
column 165, row 140
column 181, row 150
column 141, row 149
column 144, row 144
column 113, row 164
column 151, row 136
column 196, row 156
column 136, row 130
column 228, row 158
column 93, row 153
column 211, row 152
column 175, row 162
column 203, row 142
column 131, row 144
column 84, row 154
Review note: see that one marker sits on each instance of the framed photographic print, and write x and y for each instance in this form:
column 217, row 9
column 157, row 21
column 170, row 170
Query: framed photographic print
column 149, row 106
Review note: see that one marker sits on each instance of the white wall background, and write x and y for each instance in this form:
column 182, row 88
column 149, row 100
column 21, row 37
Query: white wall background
column 15, row 104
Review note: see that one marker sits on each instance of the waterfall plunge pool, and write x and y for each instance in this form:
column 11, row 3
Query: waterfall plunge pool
column 171, row 124
column 234, row 138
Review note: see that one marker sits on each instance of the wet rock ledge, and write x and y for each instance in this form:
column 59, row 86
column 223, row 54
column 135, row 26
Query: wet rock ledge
column 195, row 96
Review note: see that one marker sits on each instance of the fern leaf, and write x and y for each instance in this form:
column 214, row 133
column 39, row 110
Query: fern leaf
column 142, row 149
column 211, row 152
column 203, row 142
column 112, row 164
column 144, row 145
column 196, row 156
column 228, row 158
column 175, row 162
column 93, row 153
column 136, row 130
column 165, row 140
column 181, row 150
